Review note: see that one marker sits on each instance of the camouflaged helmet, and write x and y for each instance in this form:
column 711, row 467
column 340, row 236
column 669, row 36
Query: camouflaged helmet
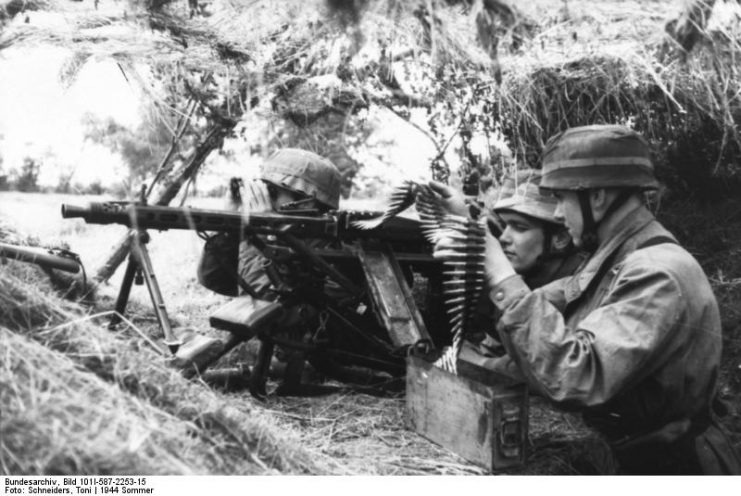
column 520, row 193
column 303, row 172
column 600, row 156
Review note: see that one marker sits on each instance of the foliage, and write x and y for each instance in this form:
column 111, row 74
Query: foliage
column 141, row 149
column 4, row 186
column 27, row 177
column 11, row 8
column 249, row 54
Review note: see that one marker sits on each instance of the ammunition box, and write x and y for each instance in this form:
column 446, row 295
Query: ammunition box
column 477, row 414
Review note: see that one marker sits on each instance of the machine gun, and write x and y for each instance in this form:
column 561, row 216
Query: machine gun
column 387, row 257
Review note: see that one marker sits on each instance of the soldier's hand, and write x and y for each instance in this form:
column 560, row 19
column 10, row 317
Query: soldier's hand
column 258, row 198
column 451, row 200
column 496, row 265
column 444, row 248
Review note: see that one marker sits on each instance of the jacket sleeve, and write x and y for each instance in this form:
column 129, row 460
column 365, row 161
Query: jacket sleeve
column 611, row 347
column 252, row 271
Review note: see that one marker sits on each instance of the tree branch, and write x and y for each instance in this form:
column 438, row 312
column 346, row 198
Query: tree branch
column 180, row 130
column 212, row 141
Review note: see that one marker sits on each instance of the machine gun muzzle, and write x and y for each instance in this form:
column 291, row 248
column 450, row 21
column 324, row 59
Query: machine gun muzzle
column 100, row 212
column 70, row 211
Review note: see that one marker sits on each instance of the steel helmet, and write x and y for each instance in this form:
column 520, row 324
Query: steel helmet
column 520, row 194
column 304, row 172
column 599, row 156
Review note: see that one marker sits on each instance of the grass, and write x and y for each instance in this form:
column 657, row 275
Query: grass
column 58, row 419
column 117, row 403
column 70, row 372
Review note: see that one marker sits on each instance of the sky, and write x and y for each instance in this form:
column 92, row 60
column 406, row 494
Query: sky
column 41, row 118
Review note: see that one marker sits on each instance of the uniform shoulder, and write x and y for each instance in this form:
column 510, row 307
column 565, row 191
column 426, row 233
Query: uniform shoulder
column 670, row 258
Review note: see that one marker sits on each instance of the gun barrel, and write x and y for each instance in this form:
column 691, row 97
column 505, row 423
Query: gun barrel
column 337, row 225
column 154, row 216
column 35, row 256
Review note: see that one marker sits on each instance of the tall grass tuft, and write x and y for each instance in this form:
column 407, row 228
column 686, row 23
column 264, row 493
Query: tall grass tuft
column 80, row 399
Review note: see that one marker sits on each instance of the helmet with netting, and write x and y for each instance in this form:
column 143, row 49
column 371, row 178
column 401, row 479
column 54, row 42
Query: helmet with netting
column 599, row 156
column 303, row 172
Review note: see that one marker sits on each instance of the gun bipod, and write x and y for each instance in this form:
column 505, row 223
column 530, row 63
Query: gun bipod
column 139, row 270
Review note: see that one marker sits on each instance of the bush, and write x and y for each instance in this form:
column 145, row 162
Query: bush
column 27, row 180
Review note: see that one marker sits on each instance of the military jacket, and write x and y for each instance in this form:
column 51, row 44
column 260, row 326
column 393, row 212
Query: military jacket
column 633, row 339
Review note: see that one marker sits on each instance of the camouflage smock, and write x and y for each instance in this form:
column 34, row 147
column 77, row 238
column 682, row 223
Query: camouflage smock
column 633, row 340
column 251, row 267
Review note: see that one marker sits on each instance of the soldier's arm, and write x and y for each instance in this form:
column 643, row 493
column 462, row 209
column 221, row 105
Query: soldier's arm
column 612, row 347
column 253, row 274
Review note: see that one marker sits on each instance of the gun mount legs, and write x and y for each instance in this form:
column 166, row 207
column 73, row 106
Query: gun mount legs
column 123, row 295
column 139, row 269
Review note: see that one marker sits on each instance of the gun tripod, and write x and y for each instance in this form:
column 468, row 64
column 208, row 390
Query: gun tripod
column 139, row 270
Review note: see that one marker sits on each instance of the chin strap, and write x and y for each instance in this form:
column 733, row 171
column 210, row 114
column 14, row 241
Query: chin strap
column 549, row 253
column 589, row 231
column 589, row 240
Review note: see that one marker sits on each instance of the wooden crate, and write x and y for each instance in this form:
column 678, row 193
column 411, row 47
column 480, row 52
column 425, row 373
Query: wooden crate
column 477, row 414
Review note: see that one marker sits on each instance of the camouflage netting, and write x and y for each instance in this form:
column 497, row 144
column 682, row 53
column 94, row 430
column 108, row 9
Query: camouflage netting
column 621, row 72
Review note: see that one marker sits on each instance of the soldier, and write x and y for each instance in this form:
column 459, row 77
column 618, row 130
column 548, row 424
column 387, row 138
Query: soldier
column 537, row 245
column 292, row 180
column 535, row 242
column 299, row 182
column 295, row 179
column 633, row 339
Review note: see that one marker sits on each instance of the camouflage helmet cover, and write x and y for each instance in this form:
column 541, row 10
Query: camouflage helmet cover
column 520, row 193
column 303, row 172
column 599, row 156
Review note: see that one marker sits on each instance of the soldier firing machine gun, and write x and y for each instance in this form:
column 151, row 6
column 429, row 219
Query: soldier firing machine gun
column 386, row 255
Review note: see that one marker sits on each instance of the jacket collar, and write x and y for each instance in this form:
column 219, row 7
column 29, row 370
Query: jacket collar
column 633, row 222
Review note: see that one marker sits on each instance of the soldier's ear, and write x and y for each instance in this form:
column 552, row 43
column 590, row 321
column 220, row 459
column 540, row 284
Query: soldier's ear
column 560, row 240
column 599, row 200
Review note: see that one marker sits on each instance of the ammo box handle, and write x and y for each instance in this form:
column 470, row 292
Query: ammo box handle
column 509, row 433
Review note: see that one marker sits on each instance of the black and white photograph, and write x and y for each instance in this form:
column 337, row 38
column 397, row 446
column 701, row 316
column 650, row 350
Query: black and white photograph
column 369, row 239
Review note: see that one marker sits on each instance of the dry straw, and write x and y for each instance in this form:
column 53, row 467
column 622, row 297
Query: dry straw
column 59, row 419
column 110, row 390
column 602, row 62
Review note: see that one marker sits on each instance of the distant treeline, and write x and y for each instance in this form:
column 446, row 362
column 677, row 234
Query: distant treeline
column 26, row 180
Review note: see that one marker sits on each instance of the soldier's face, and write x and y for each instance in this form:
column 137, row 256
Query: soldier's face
column 283, row 196
column 568, row 211
column 522, row 241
